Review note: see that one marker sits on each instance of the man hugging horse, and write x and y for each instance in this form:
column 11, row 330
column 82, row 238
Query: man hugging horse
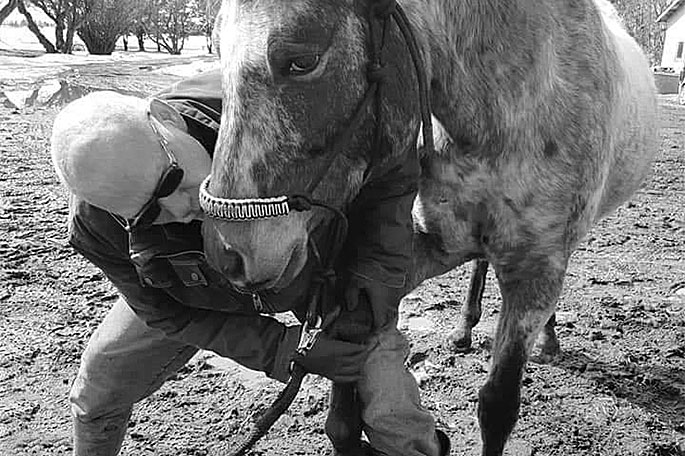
column 134, row 167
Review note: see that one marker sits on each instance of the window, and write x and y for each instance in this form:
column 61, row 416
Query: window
column 679, row 53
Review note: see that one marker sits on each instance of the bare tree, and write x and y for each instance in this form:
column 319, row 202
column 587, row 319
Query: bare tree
column 104, row 21
column 7, row 10
column 211, row 10
column 31, row 23
column 139, row 25
column 67, row 16
column 172, row 22
column 640, row 17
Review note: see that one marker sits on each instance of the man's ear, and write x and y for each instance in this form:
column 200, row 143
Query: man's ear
column 167, row 114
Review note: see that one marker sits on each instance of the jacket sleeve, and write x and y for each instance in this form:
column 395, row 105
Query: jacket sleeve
column 381, row 236
column 255, row 341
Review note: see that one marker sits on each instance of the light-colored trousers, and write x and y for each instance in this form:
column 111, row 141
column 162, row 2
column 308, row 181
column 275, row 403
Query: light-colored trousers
column 126, row 361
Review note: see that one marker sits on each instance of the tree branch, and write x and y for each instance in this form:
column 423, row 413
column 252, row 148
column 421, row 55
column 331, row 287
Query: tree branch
column 49, row 48
column 7, row 10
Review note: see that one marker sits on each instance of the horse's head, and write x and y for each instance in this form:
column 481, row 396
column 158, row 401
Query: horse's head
column 295, row 78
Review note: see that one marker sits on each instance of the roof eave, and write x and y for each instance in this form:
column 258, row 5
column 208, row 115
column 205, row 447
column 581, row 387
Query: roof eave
column 668, row 12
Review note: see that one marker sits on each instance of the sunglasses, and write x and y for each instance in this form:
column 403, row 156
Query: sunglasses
column 168, row 183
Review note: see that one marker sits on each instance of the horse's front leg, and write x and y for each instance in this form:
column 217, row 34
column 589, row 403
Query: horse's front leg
column 459, row 339
column 529, row 299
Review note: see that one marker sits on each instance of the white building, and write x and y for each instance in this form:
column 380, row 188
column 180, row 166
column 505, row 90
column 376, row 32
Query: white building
column 673, row 20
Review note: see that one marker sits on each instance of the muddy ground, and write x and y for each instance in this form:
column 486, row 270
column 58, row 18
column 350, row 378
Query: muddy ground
column 617, row 389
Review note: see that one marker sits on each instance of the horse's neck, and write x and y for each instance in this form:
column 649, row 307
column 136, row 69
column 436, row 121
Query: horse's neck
column 469, row 41
column 477, row 34
column 477, row 45
column 475, row 22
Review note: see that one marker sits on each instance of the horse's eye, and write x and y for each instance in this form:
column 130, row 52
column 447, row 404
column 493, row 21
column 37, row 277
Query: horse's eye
column 303, row 64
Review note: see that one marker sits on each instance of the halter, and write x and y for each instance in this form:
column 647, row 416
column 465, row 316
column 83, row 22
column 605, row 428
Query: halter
column 251, row 209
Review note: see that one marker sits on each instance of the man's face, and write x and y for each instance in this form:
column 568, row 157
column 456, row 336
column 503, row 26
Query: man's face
column 182, row 205
column 109, row 150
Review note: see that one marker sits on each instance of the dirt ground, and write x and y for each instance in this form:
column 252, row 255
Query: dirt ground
column 617, row 389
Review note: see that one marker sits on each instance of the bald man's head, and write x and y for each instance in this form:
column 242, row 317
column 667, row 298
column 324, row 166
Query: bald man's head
column 106, row 152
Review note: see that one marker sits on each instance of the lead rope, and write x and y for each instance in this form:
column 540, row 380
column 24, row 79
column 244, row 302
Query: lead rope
column 323, row 282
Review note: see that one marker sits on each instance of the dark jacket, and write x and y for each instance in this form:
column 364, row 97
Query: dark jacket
column 378, row 250
column 182, row 296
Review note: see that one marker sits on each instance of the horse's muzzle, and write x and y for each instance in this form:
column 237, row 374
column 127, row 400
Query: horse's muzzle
column 254, row 255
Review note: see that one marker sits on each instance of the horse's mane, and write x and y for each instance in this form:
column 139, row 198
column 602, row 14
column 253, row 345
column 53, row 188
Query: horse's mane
column 610, row 15
column 608, row 10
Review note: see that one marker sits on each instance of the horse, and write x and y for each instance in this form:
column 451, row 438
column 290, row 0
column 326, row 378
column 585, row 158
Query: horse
column 544, row 121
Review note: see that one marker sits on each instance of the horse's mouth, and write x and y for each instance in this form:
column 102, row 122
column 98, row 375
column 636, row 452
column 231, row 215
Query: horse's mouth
column 293, row 267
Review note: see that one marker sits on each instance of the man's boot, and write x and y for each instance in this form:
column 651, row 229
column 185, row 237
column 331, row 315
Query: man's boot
column 445, row 445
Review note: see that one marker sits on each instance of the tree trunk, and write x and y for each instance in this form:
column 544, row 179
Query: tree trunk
column 69, row 42
column 49, row 48
column 73, row 21
column 208, row 40
column 125, row 41
column 7, row 10
column 59, row 36
column 141, row 41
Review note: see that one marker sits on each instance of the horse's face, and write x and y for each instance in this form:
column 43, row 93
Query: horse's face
column 293, row 74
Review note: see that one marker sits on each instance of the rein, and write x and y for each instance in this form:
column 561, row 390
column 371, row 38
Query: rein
column 251, row 209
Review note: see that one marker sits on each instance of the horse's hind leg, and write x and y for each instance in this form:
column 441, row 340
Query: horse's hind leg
column 459, row 340
column 528, row 303
column 547, row 345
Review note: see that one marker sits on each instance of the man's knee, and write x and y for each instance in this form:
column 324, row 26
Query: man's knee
column 90, row 402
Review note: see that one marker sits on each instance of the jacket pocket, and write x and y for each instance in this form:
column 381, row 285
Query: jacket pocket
column 187, row 267
column 156, row 273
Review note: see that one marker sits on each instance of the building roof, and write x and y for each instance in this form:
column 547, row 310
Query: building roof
column 670, row 10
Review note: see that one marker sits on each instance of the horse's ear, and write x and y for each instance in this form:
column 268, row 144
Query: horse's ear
column 166, row 114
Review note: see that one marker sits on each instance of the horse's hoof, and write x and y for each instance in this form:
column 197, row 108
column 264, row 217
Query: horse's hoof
column 459, row 341
column 547, row 354
column 543, row 358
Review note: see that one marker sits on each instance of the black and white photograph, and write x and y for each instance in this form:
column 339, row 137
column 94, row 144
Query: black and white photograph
column 342, row 227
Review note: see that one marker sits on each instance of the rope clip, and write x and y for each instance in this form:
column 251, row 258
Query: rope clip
column 310, row 334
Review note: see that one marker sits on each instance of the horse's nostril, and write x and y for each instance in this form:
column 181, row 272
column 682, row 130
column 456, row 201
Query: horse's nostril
column 233, row 266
